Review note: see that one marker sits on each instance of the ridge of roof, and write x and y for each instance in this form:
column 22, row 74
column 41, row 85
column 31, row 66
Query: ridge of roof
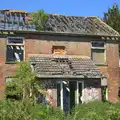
column 72, row 15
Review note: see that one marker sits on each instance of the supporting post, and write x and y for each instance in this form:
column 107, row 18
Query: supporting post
column 77, row 92
column 61, row 94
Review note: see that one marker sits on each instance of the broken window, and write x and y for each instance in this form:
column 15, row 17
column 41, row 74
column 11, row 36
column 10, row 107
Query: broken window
column 98, row 52
column 59, row 50
column 15, row 49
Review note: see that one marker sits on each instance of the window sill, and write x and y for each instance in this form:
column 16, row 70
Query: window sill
column 10, row 62
column 101, row 64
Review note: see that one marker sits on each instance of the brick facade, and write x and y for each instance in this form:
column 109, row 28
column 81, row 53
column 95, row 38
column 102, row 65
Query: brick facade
column 113, row 71
column 42, row 44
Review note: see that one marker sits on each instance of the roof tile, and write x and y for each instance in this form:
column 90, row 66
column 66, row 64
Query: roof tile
column 64, row 65
column 75, row 24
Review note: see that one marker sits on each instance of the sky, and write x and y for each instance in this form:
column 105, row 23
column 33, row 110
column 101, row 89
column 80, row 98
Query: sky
column 64, row 7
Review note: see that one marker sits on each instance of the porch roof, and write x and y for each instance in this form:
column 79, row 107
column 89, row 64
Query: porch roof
column 64, row 66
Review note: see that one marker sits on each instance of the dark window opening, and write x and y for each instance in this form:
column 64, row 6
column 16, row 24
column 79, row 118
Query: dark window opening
column 98, row 44
column 58, row 96
column 14, row 50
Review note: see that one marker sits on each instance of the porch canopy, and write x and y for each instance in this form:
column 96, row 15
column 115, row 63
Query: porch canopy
column 64, row 66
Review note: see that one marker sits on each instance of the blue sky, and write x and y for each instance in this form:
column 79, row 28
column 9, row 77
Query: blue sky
column 65, row 7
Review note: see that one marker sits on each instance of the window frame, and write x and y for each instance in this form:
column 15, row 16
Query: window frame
column 99, row 48
column 58, row 53
column 14, row 44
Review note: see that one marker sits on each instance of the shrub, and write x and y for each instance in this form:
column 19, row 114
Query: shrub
column 28, row 110
column 22, row 110
column 113, row 113
column 96, row 107
column 56, row 114
column 97, row 110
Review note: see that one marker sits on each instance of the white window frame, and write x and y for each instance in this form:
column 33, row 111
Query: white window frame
column 8, row 79
column 15, row 44
column 82, row 82
column 18, row 44
column 99, row 48
column 61, row 93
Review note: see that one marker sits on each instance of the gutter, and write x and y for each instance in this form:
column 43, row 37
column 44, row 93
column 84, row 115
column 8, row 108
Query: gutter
column 56, row 33
column 66, row 76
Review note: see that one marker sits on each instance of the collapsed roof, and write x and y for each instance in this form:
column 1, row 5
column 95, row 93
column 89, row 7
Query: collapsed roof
column 81, row 25
column 53, row 66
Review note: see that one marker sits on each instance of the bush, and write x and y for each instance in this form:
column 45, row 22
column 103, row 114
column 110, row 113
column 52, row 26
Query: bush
column 22, row 110
column 92, row 108
column 113, row 113
column 28, row 110
column 56, row 114
column 96, row 110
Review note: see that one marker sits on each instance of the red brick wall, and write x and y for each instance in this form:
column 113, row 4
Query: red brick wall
column 112, row 57
column 2, row 60
column 30, row 47
column 6, row 70
column 74, row 46
column 1, row 82
column 45, row 47
column 40, row 46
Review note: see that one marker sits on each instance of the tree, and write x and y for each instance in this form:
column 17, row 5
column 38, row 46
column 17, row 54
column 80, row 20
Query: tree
column 24, row 85
column 112, row 17
column 23, row 88
column 39, row 19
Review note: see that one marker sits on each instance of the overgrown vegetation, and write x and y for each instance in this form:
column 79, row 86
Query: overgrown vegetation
column 27, row 110
column 39, row 19
column 24, row 86
column 96, row 110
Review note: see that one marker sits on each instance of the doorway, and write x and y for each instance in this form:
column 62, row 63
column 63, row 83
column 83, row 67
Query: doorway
column 69, row 94
column 73, row 93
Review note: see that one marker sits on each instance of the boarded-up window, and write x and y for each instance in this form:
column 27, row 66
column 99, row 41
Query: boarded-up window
column 59, row 50
column 14, row 49
column 98, row 52
column 98, row 56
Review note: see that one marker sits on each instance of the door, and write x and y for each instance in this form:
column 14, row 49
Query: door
column 76, row 92
column 66, row 94
column 63, row 95
column 73, row 91
column 69, row 94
